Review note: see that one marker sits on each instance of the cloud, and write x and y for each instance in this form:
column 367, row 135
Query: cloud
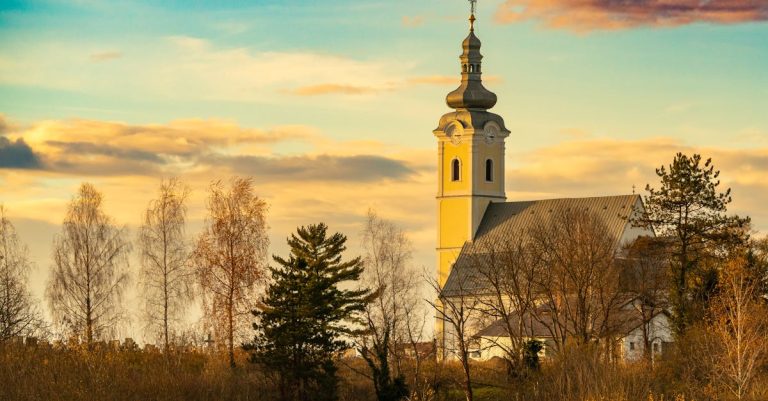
column 17, row 154
column 413, row 22
column 336, row 89
column 333, row 89
column 105, row 56
column 587, row 15
column 359, row 168
column 604, row 166
column 98, row 148
column 191, row 68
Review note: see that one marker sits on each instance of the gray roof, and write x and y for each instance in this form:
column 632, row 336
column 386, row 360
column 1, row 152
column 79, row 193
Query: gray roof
column 622, row 322
column 505, row 221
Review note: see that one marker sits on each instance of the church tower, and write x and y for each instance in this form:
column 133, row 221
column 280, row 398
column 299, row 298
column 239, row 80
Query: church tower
column 470, row 155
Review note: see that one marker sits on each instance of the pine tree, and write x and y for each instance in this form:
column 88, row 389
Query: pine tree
column 304, row 315
column 689, row 211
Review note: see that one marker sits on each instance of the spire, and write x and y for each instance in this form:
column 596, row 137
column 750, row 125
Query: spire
column 471, row 94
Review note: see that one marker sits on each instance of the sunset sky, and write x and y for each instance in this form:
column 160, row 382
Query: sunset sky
column 330, row 105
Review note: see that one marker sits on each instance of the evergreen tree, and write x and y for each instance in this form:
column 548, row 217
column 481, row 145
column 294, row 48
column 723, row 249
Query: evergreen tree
column 305, row 315
column 690, row 212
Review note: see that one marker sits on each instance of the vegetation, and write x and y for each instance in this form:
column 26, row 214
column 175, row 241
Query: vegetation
column 19, row 314
column 689, row 211
column 230, row 257
column 90, row 270
column 305, row 314
column 166, row 276
column 332, row 327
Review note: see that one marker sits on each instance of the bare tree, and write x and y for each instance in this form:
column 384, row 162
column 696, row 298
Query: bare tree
column 230, row 256
column 90, row 269
column 645, row 275
column 578, row 280
column 166, row 277
column 509, row 274
column 19, row 314
column 391, row 316
column 459, row 312
column 740, row 326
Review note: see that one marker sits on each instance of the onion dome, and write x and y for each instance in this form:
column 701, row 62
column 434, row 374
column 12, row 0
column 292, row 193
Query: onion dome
column 471, row 94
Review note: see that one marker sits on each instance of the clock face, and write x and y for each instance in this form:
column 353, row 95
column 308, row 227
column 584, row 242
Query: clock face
column 491, row 132
column 453, row 132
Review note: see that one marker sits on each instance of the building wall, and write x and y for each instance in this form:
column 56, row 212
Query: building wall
column 660, row 332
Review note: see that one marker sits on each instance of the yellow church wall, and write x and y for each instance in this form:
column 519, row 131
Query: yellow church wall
column 484, row 151
column 454, row 222
column 462, row 152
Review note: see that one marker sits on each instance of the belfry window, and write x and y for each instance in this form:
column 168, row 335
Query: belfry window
column 455, row 170
column 489, row 170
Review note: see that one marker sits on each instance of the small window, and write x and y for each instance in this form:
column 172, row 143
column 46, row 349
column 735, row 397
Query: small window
column 631, row 346
column 489, row 170
column 455, row 170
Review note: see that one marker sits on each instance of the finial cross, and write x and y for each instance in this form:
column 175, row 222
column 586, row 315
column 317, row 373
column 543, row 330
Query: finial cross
column 473, row 4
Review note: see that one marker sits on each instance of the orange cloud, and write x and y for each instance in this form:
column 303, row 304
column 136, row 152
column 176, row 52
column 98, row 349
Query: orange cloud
column 333, row 89
column 587, row 15
column 604, row 166
column 413, row 22
column 106, row 56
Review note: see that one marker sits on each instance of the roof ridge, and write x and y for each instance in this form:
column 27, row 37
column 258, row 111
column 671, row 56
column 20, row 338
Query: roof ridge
column 572, row 198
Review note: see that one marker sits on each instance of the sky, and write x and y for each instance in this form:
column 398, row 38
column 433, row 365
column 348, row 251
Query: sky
column 329, row 105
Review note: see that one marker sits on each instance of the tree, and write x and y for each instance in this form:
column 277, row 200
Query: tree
column 510, row 275
column 166, row 277
column 90, row 271
column 19, row 314
column 689, row 210
column 305, row 313
column 645, row 276
column 739, row 325
column 390, row 316
column 459, row 311
column 577, row 280
column 230, row 257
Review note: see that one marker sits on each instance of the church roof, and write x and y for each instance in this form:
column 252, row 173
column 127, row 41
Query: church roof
column 503, row 222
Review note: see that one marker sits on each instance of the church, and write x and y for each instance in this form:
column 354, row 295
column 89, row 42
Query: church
column 473, row 214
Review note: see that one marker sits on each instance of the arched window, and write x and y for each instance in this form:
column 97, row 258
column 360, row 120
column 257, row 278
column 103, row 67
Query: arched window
column 471, row 68
column 464, row 68
column 489, row 170
column 455, row 170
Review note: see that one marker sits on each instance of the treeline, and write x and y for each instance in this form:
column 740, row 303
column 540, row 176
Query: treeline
column 293, row 317
column 90, row 271
column 317, row 324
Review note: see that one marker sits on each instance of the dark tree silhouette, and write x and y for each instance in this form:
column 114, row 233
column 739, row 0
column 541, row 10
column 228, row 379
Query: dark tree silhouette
column 305, row 314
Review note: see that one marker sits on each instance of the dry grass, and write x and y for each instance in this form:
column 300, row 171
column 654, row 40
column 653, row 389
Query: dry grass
column 46, row 373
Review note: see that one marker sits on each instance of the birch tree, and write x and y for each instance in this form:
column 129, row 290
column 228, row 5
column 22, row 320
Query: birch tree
column 90, row 271
column 740, row 326
column 392, row 315
column 230, row 256
column 19, row 314
column 166, row 276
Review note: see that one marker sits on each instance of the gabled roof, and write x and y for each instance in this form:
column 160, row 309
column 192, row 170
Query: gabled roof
column 504, row 222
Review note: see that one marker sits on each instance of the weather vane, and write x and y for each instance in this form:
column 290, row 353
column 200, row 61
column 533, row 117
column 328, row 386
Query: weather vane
column 472, row 4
